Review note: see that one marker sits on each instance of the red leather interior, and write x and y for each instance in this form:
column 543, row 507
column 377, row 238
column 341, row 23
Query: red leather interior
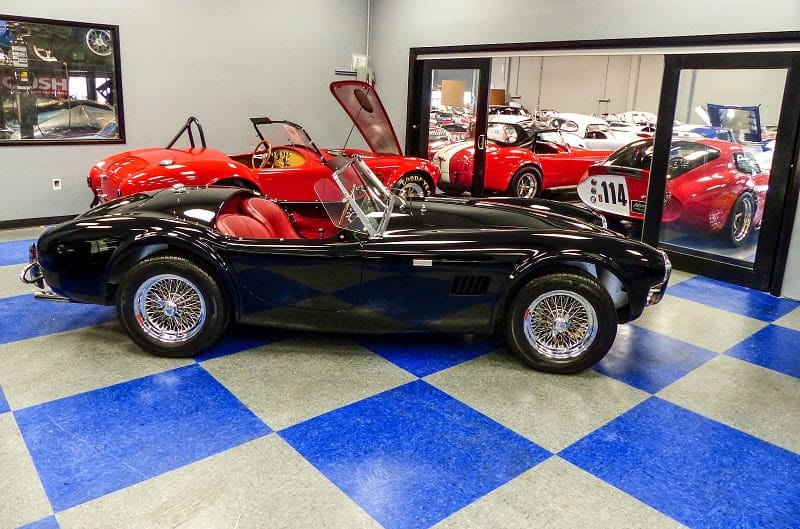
column 243, row 226
column 272, row 215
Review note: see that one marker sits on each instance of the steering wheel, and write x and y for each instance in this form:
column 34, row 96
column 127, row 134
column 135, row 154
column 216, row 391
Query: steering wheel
column 262, row 153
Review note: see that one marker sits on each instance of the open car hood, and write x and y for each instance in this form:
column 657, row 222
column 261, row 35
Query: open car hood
column 364, row 107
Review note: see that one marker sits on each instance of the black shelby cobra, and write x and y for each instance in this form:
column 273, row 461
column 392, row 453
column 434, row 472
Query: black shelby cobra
column 181, row 263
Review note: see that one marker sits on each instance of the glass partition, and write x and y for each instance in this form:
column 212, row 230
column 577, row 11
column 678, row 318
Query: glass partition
column 720, row 161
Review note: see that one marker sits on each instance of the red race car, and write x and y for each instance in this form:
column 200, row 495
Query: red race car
column 712, row 185
column 285, row 163
column 522, row 159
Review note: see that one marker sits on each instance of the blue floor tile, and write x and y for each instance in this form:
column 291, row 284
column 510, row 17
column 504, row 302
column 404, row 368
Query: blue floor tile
column 4, row 407
column 45, row 523
column 240, row 338
column 94, row 443
column 695, row 470
column 733, row 298
column 648, row 360
column 425, row 354
column 23, row 317
column 15, row 252
column 773, row 347
column 412, row 456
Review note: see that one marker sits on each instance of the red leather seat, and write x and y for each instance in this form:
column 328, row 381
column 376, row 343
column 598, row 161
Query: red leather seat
column 271, row 215
column 243, row 226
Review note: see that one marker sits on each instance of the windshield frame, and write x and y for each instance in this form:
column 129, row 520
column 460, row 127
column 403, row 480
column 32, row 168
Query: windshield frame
column 359, row 202
column 284, row 133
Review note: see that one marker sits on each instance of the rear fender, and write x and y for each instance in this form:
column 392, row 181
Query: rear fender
column 181, row 245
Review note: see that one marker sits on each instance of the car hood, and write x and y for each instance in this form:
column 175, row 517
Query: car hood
column 483, row 213
column 362, row 104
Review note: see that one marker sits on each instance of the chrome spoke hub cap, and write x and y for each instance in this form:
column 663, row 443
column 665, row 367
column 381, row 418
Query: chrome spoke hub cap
column 169, row 308
column 560, row 324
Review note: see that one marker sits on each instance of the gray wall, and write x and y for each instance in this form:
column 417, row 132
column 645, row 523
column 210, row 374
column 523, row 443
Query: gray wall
column 220, row 61
column 578, row 83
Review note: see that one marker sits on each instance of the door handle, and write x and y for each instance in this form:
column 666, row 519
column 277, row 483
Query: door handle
column 481, row 142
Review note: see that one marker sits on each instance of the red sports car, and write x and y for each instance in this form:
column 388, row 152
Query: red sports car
column 712, row 185
column 285, row 163
column 522, row 159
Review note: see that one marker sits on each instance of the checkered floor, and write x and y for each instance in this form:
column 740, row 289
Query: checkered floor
column 692, row 420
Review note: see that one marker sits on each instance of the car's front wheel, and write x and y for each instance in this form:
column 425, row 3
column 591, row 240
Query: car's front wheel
column 171, row 307
column 562, row 322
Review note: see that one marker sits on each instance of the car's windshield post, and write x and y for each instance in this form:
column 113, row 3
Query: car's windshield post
column 365, row 197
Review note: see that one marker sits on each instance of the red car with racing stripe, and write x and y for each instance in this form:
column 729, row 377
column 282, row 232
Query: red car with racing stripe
column 523, row 159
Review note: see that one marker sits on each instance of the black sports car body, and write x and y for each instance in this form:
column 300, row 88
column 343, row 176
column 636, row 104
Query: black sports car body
column 181, row 263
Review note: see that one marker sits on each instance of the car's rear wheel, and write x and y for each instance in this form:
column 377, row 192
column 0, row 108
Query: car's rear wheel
column 171, row 307
column 526, row 183
column 414, row 185
column 740, row 220
column 562, row 322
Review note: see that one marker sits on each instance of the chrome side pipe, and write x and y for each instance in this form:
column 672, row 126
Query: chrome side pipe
column 49, row 295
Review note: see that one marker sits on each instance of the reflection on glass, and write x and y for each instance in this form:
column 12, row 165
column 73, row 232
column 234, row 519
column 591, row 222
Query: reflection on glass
column 57, row 82
column 720, row 160
column 453, row 103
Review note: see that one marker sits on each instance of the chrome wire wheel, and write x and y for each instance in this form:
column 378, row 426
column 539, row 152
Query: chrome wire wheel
column 169, row 308
column 560, row 324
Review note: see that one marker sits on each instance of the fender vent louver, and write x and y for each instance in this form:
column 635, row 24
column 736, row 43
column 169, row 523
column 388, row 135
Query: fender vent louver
column 469, row 285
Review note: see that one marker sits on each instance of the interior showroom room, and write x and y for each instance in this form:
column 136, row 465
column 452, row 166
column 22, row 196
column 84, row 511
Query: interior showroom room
column 400, row 264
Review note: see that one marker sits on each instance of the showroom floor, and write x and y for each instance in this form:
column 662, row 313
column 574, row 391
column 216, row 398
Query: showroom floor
column 693, row 419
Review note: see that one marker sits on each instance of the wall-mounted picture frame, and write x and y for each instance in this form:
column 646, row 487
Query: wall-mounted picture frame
column 60, row 82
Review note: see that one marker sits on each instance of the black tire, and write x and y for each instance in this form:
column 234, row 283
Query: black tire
column 562, row 322
column 171, row 307
column 414, row 185
column 740, row 219
column 526, row 183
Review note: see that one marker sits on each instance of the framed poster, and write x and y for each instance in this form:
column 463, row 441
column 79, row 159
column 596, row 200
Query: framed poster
column 59, row 82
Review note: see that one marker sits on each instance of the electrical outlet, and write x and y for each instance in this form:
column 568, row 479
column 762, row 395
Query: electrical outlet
column 56, row 184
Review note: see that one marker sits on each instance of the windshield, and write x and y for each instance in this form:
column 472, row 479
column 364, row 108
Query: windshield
column 355, row 199
column 284, row 133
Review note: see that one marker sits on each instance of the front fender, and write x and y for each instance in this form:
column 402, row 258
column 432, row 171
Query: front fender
column 391, row 173
column 595, row 264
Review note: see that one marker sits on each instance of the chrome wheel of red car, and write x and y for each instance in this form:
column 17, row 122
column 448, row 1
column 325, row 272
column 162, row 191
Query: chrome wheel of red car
column 526, row 183
column 562, row 322
column 171, row 307
column 740, row 221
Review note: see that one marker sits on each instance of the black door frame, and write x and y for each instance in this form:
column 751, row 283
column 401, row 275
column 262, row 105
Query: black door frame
column 419, row 101
column 773, row 244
